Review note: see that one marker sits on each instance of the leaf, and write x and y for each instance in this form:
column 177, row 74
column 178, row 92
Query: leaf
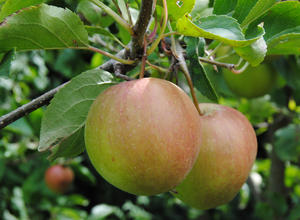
column 287, row 143
column 218, row 27
column 42, row 27
column 247, row 11
column 68, row 109
column 222, row 7
column 254, row 53
column 6, row 63
column 123, row 8
column 69, row 147
column 11, row 6
column 282, row 26
column 136, row 212
column 102, row 211
column 102, row 31
column 199, row 76
column 94, row 14
column 178, row 8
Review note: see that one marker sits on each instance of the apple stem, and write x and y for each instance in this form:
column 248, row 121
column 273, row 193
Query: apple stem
column 239, row 71
column 178, row 53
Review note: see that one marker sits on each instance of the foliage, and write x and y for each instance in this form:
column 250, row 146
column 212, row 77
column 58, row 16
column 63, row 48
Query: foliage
column 44, row 44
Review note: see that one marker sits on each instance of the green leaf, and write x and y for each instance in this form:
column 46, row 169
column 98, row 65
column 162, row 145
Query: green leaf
column 295, row 213
column 6, row 63
column 205, row 89
column 222, row 7
column 287, row 143
column 71, row 146
column 42, row 27
column 218, row 27
column 254, row 53
column 100, row 212
column 178, row 8
column 136, row 212
column 11, row 6
column 102, row 31
column 282, row 26
column 247, row 11
column 200, row 6
column 94, row 14
column 123, row 8
column 68, row 109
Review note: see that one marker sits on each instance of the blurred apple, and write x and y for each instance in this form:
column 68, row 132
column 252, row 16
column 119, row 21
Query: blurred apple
column 251, row 83
column 59, row 178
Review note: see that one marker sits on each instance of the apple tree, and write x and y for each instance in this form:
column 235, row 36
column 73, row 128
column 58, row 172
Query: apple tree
column 57, row 57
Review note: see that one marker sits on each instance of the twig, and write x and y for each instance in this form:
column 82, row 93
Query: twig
column 117, row 6
column 229, row 66
column 140, row 28
column 158, row 68
column 98, row 40
column 162, row 30
column 144, row 59
column 97, row 50
column 113, row 14
column 29, row 107
column 129, row 14
column 118, row 73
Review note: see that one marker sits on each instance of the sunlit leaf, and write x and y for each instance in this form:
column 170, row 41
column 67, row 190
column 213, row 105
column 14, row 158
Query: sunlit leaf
column 42, row 27
column 68, row 109
column 218, row 27
column 11, row 6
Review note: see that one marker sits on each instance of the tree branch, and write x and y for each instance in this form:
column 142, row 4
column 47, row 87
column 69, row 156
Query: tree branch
column 140, row 28
column 29, row 107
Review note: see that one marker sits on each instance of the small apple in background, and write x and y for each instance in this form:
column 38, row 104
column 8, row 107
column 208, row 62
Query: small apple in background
column 251, row 83
column 58, row 178
column 227, row 153
column 142, row 136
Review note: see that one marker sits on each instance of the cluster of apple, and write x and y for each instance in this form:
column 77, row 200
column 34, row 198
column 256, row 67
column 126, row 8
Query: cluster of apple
column 146, row 137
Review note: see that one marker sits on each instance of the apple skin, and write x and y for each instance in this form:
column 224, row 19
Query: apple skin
column 59, row 178
column 251, row 83
column 142, row 136
column 227, row 153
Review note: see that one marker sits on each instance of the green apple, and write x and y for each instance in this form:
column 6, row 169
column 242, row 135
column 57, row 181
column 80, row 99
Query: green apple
column 142, row 136
column 251, row 83
column 58, row 178
column 227, row 153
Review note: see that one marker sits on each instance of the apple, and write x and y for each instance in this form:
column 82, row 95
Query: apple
column 227, row 153
column 142, row 136
column 251, row 83
column 58, row 178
